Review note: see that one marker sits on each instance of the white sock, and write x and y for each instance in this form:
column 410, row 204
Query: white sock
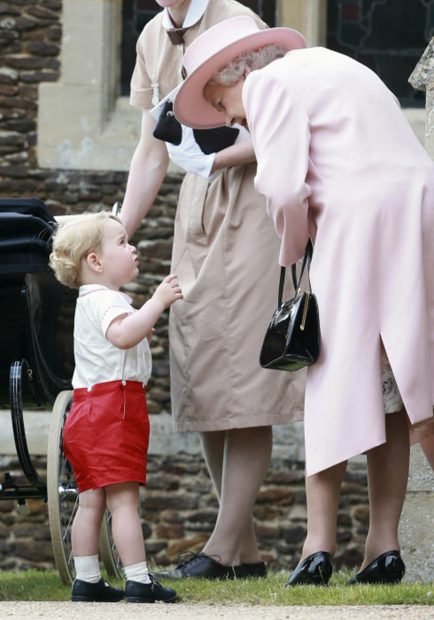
column 137, row 572
column 87, row 568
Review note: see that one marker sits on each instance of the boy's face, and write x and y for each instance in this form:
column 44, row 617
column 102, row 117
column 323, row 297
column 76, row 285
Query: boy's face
column 119, row 260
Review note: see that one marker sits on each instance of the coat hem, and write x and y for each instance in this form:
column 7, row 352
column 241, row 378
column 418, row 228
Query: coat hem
column 311, row 471
column 193, row 425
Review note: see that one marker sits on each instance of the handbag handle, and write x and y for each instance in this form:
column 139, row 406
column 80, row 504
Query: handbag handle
column 306, row 261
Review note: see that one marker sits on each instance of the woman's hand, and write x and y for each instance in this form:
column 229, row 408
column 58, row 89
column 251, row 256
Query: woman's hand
column 168, row 291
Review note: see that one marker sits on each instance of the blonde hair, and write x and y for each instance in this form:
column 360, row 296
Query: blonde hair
column 75, row 240
column 254, row 59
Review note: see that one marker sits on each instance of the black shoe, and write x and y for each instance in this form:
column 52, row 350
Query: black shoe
column 100, row 592
column 315, row 570
column 244, row 571
column 136, row 592
column 387, row 568
column 200, row 565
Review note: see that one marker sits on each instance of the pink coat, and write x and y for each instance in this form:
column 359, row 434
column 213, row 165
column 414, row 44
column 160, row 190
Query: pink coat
column 338, row 160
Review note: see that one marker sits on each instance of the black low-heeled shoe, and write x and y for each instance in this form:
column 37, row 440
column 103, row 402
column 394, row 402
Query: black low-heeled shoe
column 315, row 570
column 151, row 592
column 100, row 592
column 199, row 565
column 246, row 571
column 387, row 568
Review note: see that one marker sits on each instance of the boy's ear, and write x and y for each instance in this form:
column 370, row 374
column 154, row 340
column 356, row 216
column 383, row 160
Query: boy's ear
column 94, row 263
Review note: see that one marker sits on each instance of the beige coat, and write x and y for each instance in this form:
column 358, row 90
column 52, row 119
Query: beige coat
column 225, row 253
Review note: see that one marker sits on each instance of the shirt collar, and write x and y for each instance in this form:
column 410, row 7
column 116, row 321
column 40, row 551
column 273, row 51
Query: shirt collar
column 85, row 289
column 195, row 11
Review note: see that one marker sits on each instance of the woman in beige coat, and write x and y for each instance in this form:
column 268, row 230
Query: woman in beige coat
column 225, row 255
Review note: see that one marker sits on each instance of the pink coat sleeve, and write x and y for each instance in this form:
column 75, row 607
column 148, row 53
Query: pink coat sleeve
column 280, row 131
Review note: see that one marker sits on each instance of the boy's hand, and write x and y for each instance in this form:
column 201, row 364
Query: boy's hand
column 168, row 291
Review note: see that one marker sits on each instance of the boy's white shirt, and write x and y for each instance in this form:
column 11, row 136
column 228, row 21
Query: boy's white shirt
column 97, row 360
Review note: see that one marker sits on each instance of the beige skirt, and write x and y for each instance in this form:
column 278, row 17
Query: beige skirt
column 225, row 253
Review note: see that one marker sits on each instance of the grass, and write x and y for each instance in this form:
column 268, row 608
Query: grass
column 36, row 585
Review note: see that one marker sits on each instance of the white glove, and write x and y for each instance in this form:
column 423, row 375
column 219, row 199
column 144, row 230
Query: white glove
column 189, row 156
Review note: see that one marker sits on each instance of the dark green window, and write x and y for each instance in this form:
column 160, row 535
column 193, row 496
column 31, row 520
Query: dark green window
column 389, row 36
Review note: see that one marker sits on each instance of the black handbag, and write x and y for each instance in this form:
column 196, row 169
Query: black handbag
column 169, row 129
column 293, row 337
column 215, row 139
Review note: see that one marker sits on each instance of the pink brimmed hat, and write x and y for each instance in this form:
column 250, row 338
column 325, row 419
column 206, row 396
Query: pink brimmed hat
column 214, row 49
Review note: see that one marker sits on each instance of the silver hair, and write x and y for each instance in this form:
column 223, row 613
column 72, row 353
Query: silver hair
column 255, row 59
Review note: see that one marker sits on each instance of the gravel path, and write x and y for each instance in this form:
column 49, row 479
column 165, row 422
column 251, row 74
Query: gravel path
column 19, row 610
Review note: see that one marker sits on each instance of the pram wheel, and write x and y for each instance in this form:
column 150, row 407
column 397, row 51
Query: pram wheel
column 61, row 491
column 107, row 549
column 63, row 500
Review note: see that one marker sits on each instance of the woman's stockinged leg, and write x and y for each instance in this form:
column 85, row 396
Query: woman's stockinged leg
column 246, row 458
column 87, row 523
column 322, row 500
column 213, row 447
column 123, row 503
column 387, row 480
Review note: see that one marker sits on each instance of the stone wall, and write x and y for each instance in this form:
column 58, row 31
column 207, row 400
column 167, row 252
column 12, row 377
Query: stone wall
column 179, row 509
column 179, row 506
column 30, row 39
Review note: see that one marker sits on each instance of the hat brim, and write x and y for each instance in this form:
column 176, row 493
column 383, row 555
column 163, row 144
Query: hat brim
column 190, row 106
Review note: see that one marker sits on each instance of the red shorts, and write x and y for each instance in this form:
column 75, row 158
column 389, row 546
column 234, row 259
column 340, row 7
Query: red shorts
column 106, row 434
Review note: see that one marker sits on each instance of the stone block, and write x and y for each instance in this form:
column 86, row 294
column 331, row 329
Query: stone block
column 153, row 547
column 166, row 482
column 169, row 532
column 276, row 495
column 267, row 531
column 171, row 516
column 161, row 501
column 266, row 512
column 343, row 536
column 298, row 513
column 203, row 516
column 293, row 535
column 416, row 529
column 351, row 557
column 361, row 514
column 193, row 545
column 41, row 552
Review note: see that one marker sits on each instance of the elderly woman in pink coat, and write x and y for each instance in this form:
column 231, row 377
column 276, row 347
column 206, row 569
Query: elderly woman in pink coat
column 337, row 162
